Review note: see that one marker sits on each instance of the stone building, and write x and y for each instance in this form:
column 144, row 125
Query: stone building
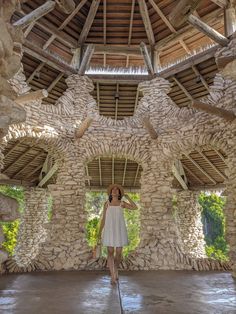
column 162, row 122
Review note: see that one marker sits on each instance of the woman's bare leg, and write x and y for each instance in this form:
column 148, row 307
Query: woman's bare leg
column 110, row 262
column 117, row 260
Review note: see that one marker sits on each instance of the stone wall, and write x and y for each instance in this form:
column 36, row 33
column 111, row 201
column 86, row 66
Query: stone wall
column 164, row 240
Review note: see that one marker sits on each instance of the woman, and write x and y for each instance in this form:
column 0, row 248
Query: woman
column 115, row 232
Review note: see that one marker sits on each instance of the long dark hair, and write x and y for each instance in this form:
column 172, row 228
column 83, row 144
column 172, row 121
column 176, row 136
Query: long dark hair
column 119, row 196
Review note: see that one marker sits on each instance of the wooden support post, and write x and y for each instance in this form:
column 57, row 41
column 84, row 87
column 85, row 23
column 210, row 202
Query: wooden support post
column 146, row 58
column 100, row 170
column 36, row 71
column 181, row 11
column 178, row 176
column 230, row 20
column 124, row 173
column 83, row 127
column 36, row 14
column 220, row 112
column 149, row 127
column 136, row 175
column 89, row 21
column 207, row 30
column 86, row 59
column 32, row 96
column 48, row 175
column 146, row 21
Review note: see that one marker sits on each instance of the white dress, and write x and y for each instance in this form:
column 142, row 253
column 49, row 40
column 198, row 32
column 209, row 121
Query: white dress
column 115, row 232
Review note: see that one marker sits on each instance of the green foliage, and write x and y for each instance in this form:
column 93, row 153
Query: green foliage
column 10, row 229
column 214, row 225
column 94, row 208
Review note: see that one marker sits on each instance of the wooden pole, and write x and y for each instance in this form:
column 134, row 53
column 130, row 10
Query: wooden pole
column 147, row 124
column 86, row 59
column 37, row 95
column 36, row 14
column 230, row 20
column 83, row 127
column 220, row 112
column 146, row 58
column 207, row 30
column 181, row 11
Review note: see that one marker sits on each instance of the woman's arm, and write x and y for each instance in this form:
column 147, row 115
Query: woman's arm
column 103, row 220
column 130, row 205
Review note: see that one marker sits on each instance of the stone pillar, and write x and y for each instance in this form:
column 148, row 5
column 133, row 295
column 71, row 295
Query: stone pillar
column 160, row 247
column 32, row 230
column 66, row 246
column 188, row 219
column 230, row 209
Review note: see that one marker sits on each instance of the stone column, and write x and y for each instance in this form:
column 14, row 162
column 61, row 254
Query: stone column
column 230, row 209
column 188, row 219
column 32, row 230
column 160, row 247
column 66, row 246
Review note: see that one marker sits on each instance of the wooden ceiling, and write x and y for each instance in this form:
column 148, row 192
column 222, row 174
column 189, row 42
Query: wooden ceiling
column 183, row 55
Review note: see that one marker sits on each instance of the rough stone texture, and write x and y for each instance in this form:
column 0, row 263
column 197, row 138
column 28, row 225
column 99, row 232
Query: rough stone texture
column 162, row 245
column 188, row 218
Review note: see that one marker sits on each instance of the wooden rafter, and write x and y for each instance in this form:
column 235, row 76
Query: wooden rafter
column 211, row 164
column 89, row 21
column 200, row 168
column 11, row 150
column 193, row 174
column 33, row 171
column 228, row 115
column 113, row 170
column 131, row 22
column 48, row 176
column 221, row 3
column 27, row 165
column 87, row 174
column 207, row 30
column 187, row 30
column 104, row 21
column 49, row 41
column 162, row 16
column 182, row 10
column 54, row 82
column 29, row 28
column 22, row 155
column 220, row 155
column 124, row 172
column 98, row 95
column 36, row 71
column 86, row 59
column 117, row 100
column 136, row 99
column 182, row 88
column 146, row 21
column 36, row 14
column 196, row 71
column 136, row 175
column 100, row 170
column 179, row 177
column 146, row 58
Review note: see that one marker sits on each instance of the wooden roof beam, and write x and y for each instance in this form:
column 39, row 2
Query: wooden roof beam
column 131, row 22
column 147, row 58
column 136, row 99
column 79, row 132
column 87, row 174
column 48, row 176
column 98, row 95
column 193, row 174
column 86, row 59
column 54, row 82
column 27, row 165
column 36, row 14
column 188, row 30
column 146, row 21
column 211, row 164
column 36, row 71
column 22, row 155
column 124, row 172
column 220, row 112
column 221, row 3
column 11, row 150
column 100, row 170
column 198, row 74
column 89, row 21
column 32, row 96
column 149, row 127
column 182, row 10
column 200, row 168
column 182, row 88
column 104, row 21
column 207, row 30
column 220, row 155
column 117, row 100
column 136, row 175
column 162, row 16
column 16, row 182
